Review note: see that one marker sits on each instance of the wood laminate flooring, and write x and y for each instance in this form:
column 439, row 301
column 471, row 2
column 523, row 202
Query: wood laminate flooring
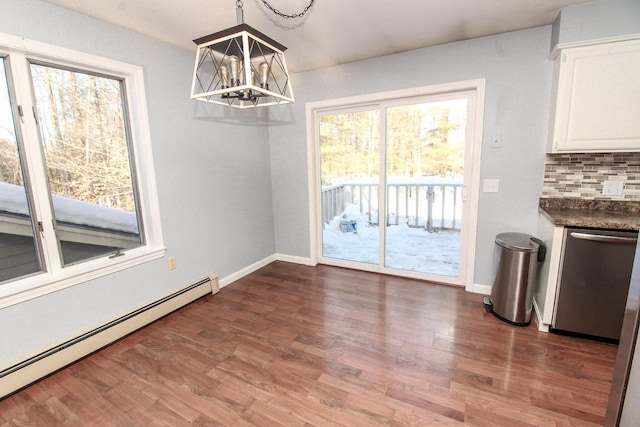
column 293, row 345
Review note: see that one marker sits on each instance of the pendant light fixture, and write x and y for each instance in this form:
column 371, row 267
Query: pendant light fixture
column 242, row 68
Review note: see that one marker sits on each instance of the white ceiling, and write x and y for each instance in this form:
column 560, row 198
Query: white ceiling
column 333, row 31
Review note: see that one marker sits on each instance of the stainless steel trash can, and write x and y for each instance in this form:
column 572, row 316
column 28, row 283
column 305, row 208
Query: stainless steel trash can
column 515, row 269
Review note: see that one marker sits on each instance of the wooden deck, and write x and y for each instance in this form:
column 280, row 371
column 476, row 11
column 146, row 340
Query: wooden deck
column 293, row 345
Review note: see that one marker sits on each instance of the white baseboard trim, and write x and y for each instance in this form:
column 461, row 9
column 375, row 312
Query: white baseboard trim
column 477, row 288
column 296, row 259
column 265, row 261
column 542, row 327
column 21, row 374
column 246, row 271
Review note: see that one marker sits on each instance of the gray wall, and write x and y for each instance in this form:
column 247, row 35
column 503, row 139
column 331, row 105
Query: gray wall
column 518, row 84
column 213, row 178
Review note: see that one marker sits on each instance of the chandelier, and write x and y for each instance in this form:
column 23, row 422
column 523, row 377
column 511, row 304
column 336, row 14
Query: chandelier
column 242, row 68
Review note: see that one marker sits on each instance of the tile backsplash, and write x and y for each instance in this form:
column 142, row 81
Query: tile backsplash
column 581, row 175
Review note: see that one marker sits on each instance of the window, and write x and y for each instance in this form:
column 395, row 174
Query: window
column 77, row 193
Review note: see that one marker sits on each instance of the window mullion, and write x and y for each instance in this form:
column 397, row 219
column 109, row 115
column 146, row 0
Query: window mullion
column 35, row 172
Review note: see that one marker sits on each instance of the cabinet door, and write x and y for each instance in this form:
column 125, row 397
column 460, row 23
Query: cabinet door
column 598, row 98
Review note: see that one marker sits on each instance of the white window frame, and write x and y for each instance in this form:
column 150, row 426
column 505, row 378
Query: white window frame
column 18, row 51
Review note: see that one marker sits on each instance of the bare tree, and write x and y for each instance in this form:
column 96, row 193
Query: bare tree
column 84, row 136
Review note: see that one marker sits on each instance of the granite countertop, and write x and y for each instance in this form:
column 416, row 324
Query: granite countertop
column 605, row 214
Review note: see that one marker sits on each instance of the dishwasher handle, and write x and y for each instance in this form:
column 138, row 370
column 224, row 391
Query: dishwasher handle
column 604, row 238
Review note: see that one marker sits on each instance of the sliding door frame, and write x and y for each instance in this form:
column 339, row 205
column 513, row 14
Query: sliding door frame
column 472, row 160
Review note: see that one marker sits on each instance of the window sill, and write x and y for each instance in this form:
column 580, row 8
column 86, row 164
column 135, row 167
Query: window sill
column 44, row 283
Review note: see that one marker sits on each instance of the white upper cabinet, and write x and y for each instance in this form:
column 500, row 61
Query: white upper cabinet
column 596, row 104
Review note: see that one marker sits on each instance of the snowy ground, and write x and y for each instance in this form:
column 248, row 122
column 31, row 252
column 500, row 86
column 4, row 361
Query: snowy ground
column 408, row 248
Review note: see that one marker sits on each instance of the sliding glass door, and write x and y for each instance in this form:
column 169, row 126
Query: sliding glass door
column 392, row 185
column 425, row 149
column 350, row 176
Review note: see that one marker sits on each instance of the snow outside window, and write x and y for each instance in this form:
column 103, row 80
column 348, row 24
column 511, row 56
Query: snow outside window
column 77, row 189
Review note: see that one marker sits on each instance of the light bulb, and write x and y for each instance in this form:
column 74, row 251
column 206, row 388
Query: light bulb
column 234, row 68
column 224, row 75
column 263, row 70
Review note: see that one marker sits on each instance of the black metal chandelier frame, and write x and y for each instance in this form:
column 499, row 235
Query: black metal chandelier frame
column 241, row 67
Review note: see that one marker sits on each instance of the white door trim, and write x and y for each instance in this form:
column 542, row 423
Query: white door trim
column 472, row 192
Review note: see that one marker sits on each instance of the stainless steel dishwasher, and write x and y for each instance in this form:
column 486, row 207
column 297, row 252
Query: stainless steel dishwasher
column 595, row 273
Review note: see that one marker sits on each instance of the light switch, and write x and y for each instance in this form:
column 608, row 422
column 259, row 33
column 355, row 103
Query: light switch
column 490, row 185
column 496, row 141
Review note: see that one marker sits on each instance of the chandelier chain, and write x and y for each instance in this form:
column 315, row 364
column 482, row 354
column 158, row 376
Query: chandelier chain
column 284, row 15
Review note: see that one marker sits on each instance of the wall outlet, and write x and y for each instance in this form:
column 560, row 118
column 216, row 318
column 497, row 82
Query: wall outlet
column 172, row 263
column 612, row 188
column 490, row 185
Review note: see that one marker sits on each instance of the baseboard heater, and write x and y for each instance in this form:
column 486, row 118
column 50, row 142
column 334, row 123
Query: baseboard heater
column 24, row 373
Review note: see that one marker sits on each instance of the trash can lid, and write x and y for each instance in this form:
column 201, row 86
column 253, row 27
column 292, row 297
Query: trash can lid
column 517, row 241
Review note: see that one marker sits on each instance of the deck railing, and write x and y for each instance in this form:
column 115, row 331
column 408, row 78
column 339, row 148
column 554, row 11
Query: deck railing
column 432, row 204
